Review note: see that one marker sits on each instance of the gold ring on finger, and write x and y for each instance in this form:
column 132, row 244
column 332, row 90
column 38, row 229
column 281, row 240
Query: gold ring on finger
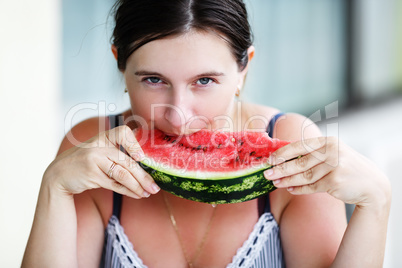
column 110, row 173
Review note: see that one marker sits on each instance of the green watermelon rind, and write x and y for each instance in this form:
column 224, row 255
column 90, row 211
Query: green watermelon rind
column 202, row 174
column 214, row 191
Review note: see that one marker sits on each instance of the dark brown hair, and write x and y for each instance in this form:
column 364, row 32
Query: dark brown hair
column 138, row 22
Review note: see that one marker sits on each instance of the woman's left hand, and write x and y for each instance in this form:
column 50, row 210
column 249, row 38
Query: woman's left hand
column 326, row 165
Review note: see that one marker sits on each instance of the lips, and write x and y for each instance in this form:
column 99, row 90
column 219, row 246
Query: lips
column 178, row 133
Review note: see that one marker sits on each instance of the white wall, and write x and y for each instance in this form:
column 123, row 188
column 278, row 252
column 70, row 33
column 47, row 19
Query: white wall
column 29, row 104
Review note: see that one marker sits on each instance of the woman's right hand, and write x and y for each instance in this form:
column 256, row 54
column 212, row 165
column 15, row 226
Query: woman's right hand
column 88, row 166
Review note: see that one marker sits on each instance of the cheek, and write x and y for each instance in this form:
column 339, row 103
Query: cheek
column 219, row 101
column 142, row 106
column 215, row 105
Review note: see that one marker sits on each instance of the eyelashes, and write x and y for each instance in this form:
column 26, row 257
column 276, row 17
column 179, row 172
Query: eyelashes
column 156, row 81
column 204, row 81
column 152, row 80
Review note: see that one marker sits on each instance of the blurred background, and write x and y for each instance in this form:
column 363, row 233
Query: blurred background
column 338, row 62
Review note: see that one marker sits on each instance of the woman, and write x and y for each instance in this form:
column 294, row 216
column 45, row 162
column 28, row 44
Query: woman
column 184, row 62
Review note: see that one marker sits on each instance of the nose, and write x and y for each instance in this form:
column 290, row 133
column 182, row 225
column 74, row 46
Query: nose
column 179, row 110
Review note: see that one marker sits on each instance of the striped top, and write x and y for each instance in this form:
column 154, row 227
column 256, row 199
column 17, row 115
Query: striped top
column 262, row 249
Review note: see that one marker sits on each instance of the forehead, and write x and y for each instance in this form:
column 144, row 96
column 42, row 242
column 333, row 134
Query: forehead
column 192, row 52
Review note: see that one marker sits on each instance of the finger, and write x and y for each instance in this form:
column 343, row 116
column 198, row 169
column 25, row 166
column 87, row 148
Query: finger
column 111, row 184
column 319, row 186
column 125, row 178
column 119, row 178
column 118, row 188
column 307, row 177
column 291, row 167
column 124, row 136
column 295, row 149
column 139, row 174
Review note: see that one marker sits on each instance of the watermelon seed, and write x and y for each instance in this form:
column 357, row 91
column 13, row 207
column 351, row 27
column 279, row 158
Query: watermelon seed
column 198, row 147
column 252, row 153
column 241, row 142
column 173, row 141
column 181, row 144
column 219, row 146
column 165, row 138
column 237, row 158
column 204, row 149
column 258, row 157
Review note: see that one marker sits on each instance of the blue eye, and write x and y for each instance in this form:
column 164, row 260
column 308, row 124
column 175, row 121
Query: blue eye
column 204, row 81
column 153, row 80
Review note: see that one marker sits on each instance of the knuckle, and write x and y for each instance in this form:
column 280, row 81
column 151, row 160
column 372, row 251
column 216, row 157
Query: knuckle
column 308, row 174
column 123, row 129
column 301, row 162
column 121, row 133
column 302, row 189
column 280, row 169
column 128, row 133
column 133, row 146
column 117, row 186
column 136, row 188
column 121, row 175
column 128, row 162
column 312, row 187
column 90, row 155
column 335, row 181
column 149, row 179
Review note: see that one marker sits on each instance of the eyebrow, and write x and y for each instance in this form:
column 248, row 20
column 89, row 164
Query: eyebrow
column 150, row 73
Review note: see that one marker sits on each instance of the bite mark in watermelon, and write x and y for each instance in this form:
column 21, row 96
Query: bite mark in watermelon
column 210, row 166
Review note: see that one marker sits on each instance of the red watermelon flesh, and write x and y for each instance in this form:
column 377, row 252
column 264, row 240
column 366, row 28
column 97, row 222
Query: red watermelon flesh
column 208, row 151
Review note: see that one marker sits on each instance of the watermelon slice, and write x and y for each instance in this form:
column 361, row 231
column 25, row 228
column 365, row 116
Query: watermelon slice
column 209, row 166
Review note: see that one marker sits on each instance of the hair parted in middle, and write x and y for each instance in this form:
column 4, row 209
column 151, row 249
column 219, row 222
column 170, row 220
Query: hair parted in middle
column 138, row 22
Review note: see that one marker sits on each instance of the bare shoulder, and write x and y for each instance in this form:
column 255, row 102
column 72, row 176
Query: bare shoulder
column 289, row 126
column 83, row 131
column 253, row 109
column 256, row 116
column 294, row 127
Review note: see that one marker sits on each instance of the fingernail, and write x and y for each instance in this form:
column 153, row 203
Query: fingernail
column 290, row 189
column 269, row 172
column 146, row 194
column 155, row 188
column 276, row 182
column 141, row 155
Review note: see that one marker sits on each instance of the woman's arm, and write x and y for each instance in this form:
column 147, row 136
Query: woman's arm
column 313, row 222
column 63, row 195
column 54, row 229
column 53, row 238
column 364, row 242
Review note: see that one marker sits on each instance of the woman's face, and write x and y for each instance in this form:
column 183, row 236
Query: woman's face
column 184, row 83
